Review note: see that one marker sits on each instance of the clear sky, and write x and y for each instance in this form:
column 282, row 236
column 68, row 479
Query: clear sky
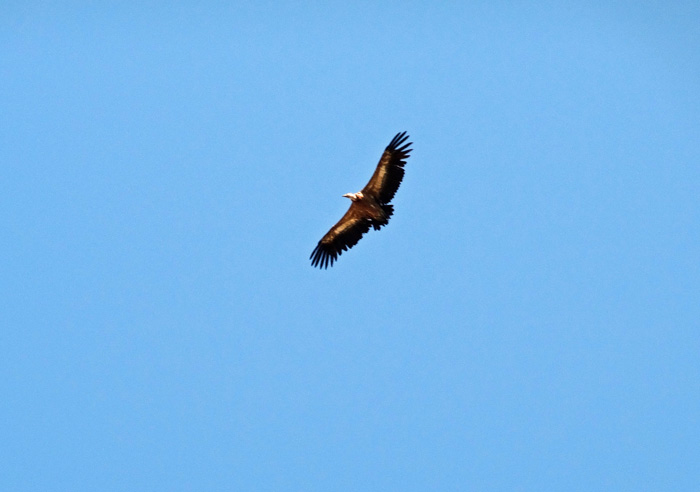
column 529, row 320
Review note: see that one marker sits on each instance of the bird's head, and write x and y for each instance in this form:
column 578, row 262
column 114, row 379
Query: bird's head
column 354, row 196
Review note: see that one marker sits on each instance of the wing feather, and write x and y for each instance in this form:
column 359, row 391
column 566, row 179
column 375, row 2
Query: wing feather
column 342, row 236
column 388, row 175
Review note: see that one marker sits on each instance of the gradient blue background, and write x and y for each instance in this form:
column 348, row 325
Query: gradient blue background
column 528, row 321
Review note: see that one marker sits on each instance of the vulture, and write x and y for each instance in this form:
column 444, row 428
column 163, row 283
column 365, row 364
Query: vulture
column 369, row 207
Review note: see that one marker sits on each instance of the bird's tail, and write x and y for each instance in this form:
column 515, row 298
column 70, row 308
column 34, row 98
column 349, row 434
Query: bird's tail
column 388, row 211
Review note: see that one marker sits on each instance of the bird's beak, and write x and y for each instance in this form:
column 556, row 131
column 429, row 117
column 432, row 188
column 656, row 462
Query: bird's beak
column 347, row 195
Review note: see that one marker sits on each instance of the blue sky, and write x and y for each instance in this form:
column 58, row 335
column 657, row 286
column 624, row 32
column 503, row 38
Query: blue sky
column 527, row 321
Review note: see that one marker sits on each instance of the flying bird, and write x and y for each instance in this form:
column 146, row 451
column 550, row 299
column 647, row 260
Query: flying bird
column 370, row 206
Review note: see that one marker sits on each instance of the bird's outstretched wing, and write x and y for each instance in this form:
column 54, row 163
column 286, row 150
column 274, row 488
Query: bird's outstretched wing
column 389, row 173
column 342, row 236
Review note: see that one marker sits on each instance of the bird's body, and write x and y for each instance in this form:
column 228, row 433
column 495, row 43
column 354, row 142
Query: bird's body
column 369, row 208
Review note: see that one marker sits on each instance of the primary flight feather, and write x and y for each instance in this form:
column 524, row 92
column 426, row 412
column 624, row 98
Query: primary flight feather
column 369, row 208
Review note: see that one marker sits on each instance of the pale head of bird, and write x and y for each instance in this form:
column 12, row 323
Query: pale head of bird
column 354, row 196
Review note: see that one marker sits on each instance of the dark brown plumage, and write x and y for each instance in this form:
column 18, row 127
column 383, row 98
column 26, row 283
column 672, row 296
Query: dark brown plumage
column 370, row 206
